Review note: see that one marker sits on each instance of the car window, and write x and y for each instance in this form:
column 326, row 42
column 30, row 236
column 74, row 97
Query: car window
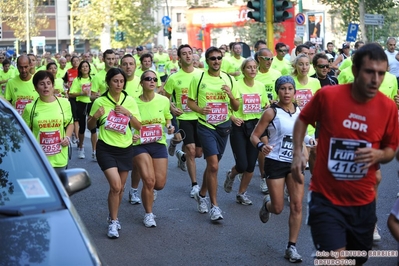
column 25, row 182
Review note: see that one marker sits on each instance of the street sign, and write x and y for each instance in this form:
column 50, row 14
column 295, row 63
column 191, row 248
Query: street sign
column 300, row 19
column 352, row 32
column 300, row 30
column 166, row 20
column 374, row 19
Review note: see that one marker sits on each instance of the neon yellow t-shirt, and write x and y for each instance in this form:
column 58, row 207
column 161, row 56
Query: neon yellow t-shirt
column 4, row 76
column 115, row 128
column 312, row 71
column 210, row 94
column 269, row 81
column 153, row 119
column 177, row 85
column 225, row 64
column 61, row 73
column 133, row 88
column 59, row 85
column 283, row 66
column 346, row 76
column 100, row 66
column 79, row 85
column 137, row 58
column 93, row 70
column 162, row 59
column 389, row 85
column 252, row 101
column 98, row 82
column 48, row 123
column 346, row 63
column 235, row 65
column 309, row 90
column 171, row 67
column 20, row 93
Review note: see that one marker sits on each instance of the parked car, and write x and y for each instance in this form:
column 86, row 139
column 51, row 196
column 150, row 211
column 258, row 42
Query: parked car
column 38, row 223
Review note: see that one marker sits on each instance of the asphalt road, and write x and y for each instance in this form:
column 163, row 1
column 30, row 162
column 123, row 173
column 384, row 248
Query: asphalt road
column 183, row 236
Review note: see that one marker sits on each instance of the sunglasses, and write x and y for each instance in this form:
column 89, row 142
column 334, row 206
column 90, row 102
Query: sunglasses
column 266, row 58
column 323, row 66
column 150, row 78
column 282, row 51
column 213, row 58
column 331, row 60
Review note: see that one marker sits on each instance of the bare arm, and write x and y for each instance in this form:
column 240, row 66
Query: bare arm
column 260, row 128
column 299, row 160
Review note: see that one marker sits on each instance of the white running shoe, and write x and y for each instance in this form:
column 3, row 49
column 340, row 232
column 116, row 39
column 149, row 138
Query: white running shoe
column 216, row 213
column 149, row 220
column 194, row 190
column 228, row 182
column 113, row 230
column 202, row 203
column 93, row 156
column 376, row 234
column 109, row 221
column 263, row 186
column 243, row 199
column 81, row 154
column 134, row 196
column 292, row 255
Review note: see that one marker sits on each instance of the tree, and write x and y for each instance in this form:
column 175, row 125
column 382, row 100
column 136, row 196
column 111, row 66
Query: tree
column 353, row 11
column 133, row 18
column 13, row 12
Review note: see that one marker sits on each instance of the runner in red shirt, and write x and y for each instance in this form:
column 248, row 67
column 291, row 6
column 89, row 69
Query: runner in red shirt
column 355, row 135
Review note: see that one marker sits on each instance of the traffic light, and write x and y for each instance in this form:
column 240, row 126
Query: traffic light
column 259, row 10
column 200, row 36
column 280, row 10
column 169, row 33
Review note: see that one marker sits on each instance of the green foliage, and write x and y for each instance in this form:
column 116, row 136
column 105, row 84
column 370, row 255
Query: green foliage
column 133, row 18
column 13, row 12
column 349, row 12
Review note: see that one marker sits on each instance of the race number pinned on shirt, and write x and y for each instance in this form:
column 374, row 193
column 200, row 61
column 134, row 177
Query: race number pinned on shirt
column 20, row 105
column 341, row 159
column 3, row 88
column 285, row 153
column 251, row 103
column 86, row 88
column 303, row 97
column 218, row 113
column 183, row 100
column 117, row 122
column 161, row 68
column 151, row 133
column 50, row 142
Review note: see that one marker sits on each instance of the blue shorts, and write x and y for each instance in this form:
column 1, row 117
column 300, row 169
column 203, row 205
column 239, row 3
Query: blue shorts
column 333, row 227
column 109, row 156
column 155, row 150
column 212, row 143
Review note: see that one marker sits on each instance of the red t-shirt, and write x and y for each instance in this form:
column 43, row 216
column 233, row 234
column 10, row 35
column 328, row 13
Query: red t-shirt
column 345, row 126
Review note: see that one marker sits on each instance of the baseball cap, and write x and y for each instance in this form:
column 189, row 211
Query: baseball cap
column 139, row 48
column 345, row 45
column 329, row 56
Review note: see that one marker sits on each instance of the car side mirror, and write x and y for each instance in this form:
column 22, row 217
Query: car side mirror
column 75, row 180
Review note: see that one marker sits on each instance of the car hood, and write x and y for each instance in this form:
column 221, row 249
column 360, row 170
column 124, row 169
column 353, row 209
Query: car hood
column 43, row 239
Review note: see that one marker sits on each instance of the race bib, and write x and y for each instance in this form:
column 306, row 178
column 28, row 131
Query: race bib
column 50, row 142
column 86, row 88
column 183, row 100
column 151, row 133
column 341, row 158
column 161, row 68
column 117, row 122
column 3, row 88
column 20, row 105
column 303, row 97
column 218, row 113
column 285, row 153
column 251, row 103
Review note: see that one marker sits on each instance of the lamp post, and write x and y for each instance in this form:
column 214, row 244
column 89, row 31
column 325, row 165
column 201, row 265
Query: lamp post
column 27, row 27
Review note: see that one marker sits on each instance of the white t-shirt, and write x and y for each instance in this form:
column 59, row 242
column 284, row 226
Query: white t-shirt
column 393, row 63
